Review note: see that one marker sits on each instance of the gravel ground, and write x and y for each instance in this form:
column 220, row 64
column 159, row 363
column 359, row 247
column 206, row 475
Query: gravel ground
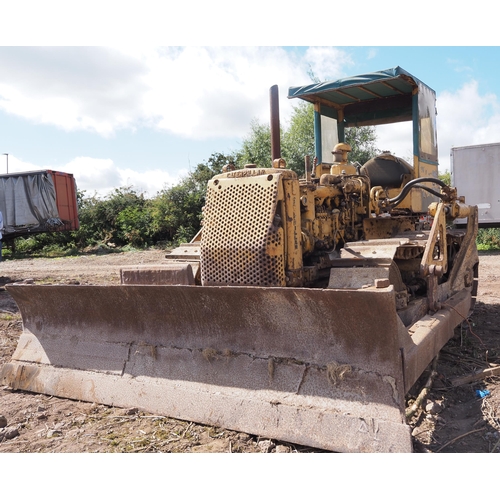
column 455, row 419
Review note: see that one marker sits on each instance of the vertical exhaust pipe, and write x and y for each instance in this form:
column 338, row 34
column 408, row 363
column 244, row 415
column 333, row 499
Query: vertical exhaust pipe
column 275, row 124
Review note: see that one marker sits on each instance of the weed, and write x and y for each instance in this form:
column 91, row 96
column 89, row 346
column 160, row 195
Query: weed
column 215, row 432
column 488, row 239
column 162, row 435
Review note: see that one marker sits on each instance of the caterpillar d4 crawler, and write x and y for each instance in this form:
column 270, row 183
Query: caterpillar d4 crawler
column 305, row 310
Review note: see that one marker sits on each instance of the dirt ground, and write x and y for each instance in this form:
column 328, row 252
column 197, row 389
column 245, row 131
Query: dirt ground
column 454, row 419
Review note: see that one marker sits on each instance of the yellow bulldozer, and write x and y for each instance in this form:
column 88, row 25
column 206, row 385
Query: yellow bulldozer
column 305, row 309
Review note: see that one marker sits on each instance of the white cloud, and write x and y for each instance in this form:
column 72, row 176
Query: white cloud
column 396, row 138
column 466, row 117
column 91, row 172
column 74, row 88
column 328, row 63
column 207, row 92
column 459, row 66
column 194, row 92
column 17, row 165
column 102, row 176
column 149, row 182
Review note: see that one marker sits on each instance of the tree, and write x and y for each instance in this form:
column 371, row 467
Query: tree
column 445, row 177
column 362, row 141
column 174, row 215
column 102, row 221
column 297, row 141
column 176, row 211
column 133, row 225
column 256, row 148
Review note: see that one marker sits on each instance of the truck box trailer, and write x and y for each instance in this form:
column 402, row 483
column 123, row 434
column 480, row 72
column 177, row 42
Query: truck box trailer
column 38, row 202
column 475, row 172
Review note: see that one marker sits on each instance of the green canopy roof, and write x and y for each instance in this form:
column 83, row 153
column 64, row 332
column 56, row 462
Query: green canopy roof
column 373, row 98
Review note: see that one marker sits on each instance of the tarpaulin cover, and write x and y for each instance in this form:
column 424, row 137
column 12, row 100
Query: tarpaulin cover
column 385, row 83
column 28, row 201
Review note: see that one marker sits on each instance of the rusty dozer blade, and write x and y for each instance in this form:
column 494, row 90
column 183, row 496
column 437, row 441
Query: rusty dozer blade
column 318, row 367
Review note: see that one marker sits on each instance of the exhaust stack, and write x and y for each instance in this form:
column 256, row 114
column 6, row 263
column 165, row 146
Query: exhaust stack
column 275, row 123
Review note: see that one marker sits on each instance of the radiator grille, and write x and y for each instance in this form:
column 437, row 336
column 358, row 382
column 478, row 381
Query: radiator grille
column 242, row 241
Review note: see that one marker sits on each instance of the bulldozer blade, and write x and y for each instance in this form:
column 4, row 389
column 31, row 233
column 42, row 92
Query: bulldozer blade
column 317, row 367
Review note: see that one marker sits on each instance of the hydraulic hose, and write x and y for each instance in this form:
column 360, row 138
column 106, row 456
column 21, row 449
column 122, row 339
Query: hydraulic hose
column 415, row 183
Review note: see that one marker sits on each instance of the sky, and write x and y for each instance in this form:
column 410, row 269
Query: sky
column 137, row 109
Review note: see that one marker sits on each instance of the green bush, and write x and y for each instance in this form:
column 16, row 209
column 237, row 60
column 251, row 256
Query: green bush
column 488, row 239
column 133, row 226
column 28, row 245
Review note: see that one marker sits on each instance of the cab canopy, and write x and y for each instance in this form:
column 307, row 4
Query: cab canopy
column 387, row 96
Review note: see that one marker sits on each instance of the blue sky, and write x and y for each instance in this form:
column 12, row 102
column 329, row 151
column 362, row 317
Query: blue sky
column 117, row 114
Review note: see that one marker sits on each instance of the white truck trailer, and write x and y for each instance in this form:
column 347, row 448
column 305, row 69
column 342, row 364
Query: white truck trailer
column 475, row 172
